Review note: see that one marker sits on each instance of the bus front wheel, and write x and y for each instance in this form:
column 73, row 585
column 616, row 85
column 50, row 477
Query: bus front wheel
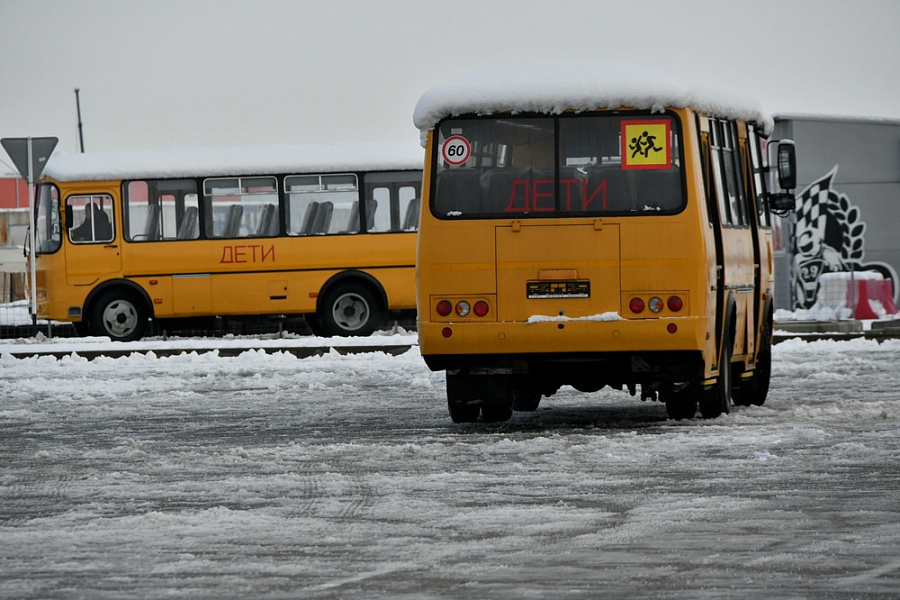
column 349, row 310
column 119, row 316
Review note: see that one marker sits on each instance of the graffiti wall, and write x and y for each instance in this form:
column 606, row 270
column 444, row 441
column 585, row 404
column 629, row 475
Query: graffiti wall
column 829, row 235
column 847, row 216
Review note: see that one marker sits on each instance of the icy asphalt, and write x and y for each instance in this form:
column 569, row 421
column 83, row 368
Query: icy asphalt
column 341, row 476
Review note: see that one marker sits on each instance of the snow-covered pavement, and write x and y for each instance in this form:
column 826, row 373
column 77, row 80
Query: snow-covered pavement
column 341, row 476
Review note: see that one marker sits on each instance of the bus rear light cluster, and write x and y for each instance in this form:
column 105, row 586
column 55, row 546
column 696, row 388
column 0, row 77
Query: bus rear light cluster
column 462, row 308
column 655, row 304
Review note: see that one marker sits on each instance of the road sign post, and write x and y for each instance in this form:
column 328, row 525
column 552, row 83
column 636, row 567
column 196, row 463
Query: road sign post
column 30, row 156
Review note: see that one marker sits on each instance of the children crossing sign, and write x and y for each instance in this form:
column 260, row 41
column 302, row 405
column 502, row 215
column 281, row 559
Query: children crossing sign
column 645, row 144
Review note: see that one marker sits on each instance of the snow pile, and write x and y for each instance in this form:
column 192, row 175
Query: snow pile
column 607, row 316
column 554, row 87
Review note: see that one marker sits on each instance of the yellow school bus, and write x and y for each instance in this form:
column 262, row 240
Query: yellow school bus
column 125, row 240
column 592, row 224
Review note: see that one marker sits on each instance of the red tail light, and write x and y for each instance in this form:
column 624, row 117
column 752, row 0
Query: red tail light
column 636, row 305
column 675, row 303
column 481, row 308
column 444, row 308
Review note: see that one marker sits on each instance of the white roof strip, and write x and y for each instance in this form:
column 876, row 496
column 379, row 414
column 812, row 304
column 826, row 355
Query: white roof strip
column 251, row 160
column 555, row 87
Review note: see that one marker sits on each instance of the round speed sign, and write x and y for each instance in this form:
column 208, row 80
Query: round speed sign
column 456, row 150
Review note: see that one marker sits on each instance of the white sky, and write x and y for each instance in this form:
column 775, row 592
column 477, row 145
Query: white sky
column 194, row 73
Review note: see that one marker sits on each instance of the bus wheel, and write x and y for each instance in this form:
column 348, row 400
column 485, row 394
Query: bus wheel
column 755, row 390
column 462, row 402
column 118, row 315
column 463, row 412
column 679, row 405
column 717, row 400
column 496, row 410
column 349, row 310
column 526, row 395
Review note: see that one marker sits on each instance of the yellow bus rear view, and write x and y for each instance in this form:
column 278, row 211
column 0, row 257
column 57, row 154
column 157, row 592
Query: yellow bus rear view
column 593, row 224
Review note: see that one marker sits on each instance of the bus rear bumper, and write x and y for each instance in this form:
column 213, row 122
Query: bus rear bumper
column 678, row 345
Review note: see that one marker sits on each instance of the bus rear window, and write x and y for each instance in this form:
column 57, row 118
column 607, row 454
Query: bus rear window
column 571, row 165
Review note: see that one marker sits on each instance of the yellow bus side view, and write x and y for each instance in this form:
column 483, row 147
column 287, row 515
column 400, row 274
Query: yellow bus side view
column 326, row 232
column 590, row 224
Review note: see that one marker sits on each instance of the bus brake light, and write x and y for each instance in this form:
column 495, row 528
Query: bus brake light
column 636, row 305
column 444, row 308
column 675, row 303
column 481, row 308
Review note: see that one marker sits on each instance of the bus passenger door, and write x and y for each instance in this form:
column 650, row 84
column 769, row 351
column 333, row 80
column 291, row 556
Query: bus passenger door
column 93, row 252
column 737, row 250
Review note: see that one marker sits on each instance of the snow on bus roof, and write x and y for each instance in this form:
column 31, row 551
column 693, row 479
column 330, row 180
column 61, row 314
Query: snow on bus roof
column 250, row 160
column 554, row 87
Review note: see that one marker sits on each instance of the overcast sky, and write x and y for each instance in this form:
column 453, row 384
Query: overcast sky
column 195, row 73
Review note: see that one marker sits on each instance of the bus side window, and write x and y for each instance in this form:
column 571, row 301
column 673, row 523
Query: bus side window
column 93, row 215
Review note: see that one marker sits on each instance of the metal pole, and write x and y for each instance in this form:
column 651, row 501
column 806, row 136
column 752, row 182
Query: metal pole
column 32, row 225
column 78, row 107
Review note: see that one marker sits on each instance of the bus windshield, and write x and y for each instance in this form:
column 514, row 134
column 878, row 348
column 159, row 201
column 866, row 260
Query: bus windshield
column 603, row 164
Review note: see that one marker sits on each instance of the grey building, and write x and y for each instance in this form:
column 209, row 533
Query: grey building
column 847, row 216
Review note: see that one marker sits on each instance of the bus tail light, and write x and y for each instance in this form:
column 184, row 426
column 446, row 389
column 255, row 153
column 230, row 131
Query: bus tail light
column 675, row 303
column 636, row 305
column 655, row 304
column 462, row 308
column 444, row 308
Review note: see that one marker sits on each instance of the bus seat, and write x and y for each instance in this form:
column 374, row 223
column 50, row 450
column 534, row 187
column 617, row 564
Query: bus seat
column 233, row 221
column 458, row 190
column 508, row 190
column 151, row 229
column 189, row 230
column 353, row 221
column 267, row 218
column 411, row 220
column 309, row 218
column 371, row 207
column 323, row 218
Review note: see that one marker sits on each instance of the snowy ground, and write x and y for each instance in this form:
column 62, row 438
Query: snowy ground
column 341, row 476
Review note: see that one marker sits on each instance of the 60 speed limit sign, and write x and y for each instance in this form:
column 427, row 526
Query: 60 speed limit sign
column 456, row 150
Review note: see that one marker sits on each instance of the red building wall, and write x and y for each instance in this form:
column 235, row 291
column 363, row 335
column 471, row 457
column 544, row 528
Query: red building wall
column 8, row 192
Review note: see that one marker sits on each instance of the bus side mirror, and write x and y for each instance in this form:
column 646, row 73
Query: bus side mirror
column 787, row 165
column 782, row 203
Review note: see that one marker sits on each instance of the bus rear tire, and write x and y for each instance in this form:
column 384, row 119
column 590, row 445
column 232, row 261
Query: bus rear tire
column 754, row 390
column 349, row 310
column 526, row 395
column 119, row 315
column 717, row 400
column 680, row 405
